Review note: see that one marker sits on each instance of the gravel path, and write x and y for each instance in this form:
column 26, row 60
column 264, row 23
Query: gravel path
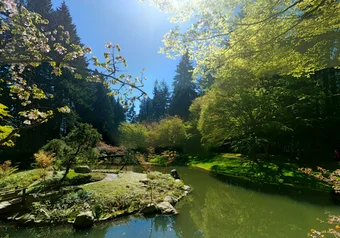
column 110, row 177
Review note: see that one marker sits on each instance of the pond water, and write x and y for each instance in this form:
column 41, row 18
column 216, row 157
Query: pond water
column 216, row 208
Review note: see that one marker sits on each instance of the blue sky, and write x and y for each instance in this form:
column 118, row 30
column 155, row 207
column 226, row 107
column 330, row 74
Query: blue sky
column 137, row 27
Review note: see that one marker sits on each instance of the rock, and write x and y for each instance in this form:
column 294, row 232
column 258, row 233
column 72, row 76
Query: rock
column 84, row 220
column 174, row 174
column 82, row 169
column 144, row 181
column 186, row 188
column 166, row 208
column 149, row 209
column 170, row 200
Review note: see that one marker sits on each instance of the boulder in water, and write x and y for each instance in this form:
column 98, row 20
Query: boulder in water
column 174, row 174
column 84, row 220
column 170, row 200
column 149, row 209
column 166, row 208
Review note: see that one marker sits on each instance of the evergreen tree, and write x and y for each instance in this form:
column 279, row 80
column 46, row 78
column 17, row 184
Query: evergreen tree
column 131, row 114
column 43, row 7
column 88, row 101
column 62, row 16
column 184, row 89
column 145, row 110
column 160, row 101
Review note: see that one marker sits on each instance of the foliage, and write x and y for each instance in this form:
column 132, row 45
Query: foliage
column 131, row 114
column 286, row 37
column 276, row 172
column 21, row 179
column 157, row 108
column 52, row 183
column 170, row 133
column 184, row 89
column 325, row 176
column 333, row 179
column 253, row 115
column 77, row 147
column 30, row 42
column 166, row 158
column 44, row 159
column 6, row 169
column 82, row 169
column 74, row 178
column 273, row 69
column 133, row 136
column 160, row 101
column 141, row 158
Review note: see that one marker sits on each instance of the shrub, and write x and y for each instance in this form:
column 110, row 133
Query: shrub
column 82, row 169
column 74, row 178
column 134, row 136
column 44, row 160
column 21, row 179
column 6, row 169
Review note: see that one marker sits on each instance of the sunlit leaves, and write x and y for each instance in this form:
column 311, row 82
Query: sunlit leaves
column 4, row 111
column 5, row 131
column 266, row 37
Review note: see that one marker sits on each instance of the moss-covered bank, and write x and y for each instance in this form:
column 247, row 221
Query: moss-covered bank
column 129, row 193
column 272, row 171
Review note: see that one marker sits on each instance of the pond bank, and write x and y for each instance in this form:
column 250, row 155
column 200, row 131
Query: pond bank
column 263, row 172
column 129, row 193
column 215, row 208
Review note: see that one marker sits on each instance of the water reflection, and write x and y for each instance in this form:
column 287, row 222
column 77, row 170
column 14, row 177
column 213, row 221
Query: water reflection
column 214, row 209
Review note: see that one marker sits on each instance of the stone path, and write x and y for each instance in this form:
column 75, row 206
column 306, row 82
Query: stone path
column 110, row 177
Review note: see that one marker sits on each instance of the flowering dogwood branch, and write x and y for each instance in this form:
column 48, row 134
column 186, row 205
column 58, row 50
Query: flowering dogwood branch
column 26, row 44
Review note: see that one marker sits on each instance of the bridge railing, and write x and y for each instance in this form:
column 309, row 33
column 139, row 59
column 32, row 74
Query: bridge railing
column 11, row 193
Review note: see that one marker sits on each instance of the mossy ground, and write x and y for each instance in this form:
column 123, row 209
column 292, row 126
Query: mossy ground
column 106, row 199
column 128, row 195
column 273, row 171
column 21, row 179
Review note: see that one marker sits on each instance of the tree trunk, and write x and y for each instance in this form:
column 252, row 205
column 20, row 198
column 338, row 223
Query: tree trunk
column 66, row 172
column 124, row 164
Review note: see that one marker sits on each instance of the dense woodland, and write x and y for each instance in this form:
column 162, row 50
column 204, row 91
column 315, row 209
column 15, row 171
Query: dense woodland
column 225, row 109
column 88, row 101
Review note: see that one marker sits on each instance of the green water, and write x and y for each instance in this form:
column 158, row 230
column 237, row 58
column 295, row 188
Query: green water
column 215, row 209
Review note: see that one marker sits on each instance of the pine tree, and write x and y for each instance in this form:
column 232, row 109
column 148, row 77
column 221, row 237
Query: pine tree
column 43, row 7
column 62, row 16
column 184, row 89
column 145, row 110
column 160, row 101
column 131, row 114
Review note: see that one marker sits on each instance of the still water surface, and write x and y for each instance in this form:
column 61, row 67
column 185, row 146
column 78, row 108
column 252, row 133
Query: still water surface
column 215, row 208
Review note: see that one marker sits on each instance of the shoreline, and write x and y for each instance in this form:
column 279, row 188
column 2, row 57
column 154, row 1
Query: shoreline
column 103, row 203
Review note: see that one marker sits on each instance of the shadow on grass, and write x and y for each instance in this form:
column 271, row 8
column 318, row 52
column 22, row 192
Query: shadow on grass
column 275, row 178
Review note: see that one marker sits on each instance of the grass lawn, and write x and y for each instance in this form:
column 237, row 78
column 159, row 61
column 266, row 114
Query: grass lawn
column 272, row 171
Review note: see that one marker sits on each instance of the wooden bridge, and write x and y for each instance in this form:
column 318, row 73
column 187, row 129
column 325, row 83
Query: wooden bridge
column 11, row 197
